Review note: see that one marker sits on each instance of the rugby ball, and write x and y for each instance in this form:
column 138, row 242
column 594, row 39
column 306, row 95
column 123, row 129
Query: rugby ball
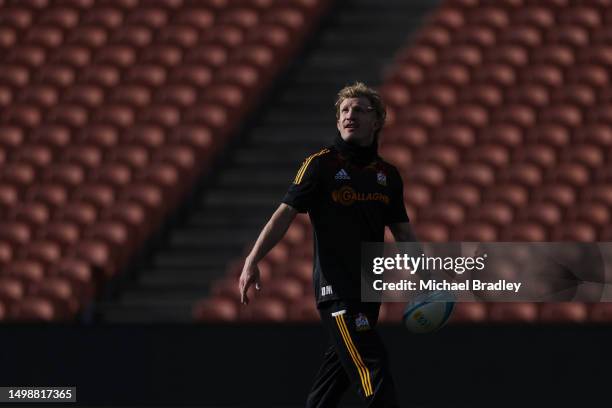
column 428, row 312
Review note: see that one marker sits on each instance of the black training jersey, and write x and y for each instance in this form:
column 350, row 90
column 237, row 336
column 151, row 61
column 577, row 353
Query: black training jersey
column 348, row 204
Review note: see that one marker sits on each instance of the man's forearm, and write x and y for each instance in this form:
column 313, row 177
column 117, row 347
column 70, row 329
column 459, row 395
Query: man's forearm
column 272, row 233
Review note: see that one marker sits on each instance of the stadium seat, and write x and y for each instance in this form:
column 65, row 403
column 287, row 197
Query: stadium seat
column 303, row 310
column 264, row 310
column 450, row 213
column 27, row 271
column 432, row 232
column 11, row 290
column 65, row 233
column 558, row 193
column 524, row 232
column 496, row 213
column 514, row 313
column 466, row 194
column 570, row 312
column 475, row 231
column 34, row 309
column 600, row 313
column 544, row 213
column 468, row 313
column 215, row 310
column 44, row 250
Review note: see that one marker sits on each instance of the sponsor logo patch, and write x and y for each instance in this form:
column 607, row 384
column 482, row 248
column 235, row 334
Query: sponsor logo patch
column 342, row 175
column 361, row 322
column 381, row 178
column 347, row 196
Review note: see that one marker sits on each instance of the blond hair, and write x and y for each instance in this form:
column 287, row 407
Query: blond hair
column 357, row 90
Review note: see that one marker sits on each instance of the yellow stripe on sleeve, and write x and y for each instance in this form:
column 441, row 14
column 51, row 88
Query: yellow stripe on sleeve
column 304, row 167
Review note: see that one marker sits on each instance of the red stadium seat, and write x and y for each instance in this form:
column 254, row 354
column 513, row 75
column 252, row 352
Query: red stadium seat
column 53, row 195
column 165, row 115
column 496, row 213
column 88, row 156
column 132, row 35
column 63, row 232
column 133, row 95
column 491, row 154
column 570, row 34
column 303, row 310
column 535, row 95
column 434, row 35
column 468, row 313
column 514, row 194
column 566, row 312
column 478, row 34
column 200, row 18
column 589, row 74
column 476, row 232
column 61, row 293
column 466, row 194
column 418, row 195
column 264, row 310
column 601, row 313
column 215, row 310
column 544, row 213
column 34, row 309
column 56, row 136
column 486, row 95
column 11, row 290
column 135, row 156
column 27, row 271
column 449, row 213
column 91, row 36
column 103, row 75
column 576, row 231
column 75, row 55
column 478, row 174
column 514, row 313
column 594, row 213
column 441, row 154
column 6, row 252
column 33, row 213
column 524, row 232
column 149, row 136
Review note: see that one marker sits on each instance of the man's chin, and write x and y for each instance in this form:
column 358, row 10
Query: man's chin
column 357, row 139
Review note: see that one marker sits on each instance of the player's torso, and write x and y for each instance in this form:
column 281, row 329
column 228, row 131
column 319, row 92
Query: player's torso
column 346, row 187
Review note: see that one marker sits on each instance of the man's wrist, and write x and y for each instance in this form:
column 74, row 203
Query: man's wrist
column 249, row 262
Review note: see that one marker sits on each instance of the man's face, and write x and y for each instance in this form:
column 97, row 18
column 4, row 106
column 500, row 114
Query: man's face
column 357, row 121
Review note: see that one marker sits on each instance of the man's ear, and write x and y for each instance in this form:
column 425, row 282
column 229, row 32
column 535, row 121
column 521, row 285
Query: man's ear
column 377, row 125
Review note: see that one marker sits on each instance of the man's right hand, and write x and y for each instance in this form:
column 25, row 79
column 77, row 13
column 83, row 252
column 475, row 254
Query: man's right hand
column 249, row 276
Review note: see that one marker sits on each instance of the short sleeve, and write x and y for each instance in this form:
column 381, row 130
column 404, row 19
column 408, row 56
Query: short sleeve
column 303, row 188
column 396, row 211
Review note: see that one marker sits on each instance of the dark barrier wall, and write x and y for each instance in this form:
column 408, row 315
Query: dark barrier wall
column 273, row 365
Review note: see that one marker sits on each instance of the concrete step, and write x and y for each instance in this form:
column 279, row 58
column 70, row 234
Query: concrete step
column 138, row 313
column 209, row 239
column 264, row 178
column 267, row 157
column 180, row 279
column 194, row 259
column 241, row 199
column 147, row 296
column 228, row 219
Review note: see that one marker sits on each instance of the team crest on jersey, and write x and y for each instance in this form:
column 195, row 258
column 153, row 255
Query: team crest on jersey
column 361, row 322
column 381, row 178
